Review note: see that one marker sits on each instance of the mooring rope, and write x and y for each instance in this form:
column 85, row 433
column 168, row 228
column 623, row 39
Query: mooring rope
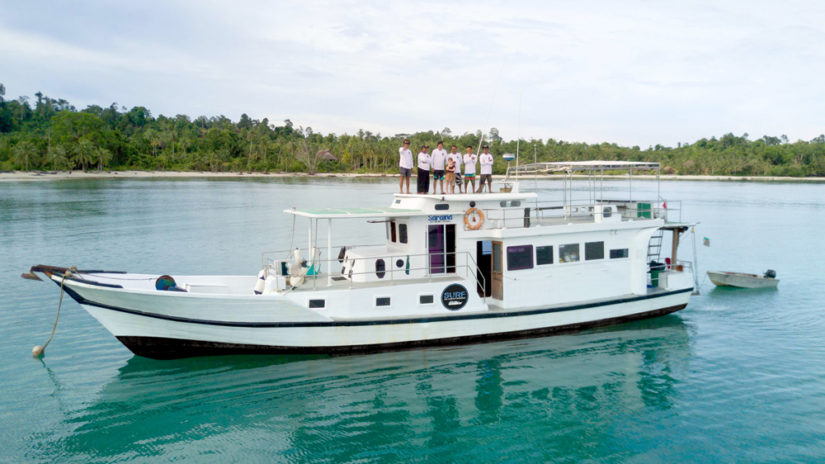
column 38, row 350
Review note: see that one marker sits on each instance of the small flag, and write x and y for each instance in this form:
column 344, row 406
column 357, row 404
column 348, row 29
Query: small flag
column 706, row 242
column 664, row 205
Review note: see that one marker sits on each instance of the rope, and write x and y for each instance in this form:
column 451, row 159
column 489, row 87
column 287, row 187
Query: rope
column 38, row 350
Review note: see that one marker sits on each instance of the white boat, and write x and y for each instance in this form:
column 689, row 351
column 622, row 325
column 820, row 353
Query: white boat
column 455, row 268
column 743, row 280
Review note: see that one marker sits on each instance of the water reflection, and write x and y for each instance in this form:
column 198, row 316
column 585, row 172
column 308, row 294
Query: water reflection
column 388, row 406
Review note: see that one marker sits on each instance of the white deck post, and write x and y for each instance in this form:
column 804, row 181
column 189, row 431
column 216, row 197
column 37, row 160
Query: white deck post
column 329, row 252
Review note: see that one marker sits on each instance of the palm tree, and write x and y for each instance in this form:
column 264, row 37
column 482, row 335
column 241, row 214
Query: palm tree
column 23, row 153
column 57, row 155
column 103, row 156
column 84, row 153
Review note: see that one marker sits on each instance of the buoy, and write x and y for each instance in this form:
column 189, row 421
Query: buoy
column 38, row 351
column 259, row 285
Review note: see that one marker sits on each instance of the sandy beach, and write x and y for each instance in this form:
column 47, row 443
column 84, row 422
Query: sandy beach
column 16, row 176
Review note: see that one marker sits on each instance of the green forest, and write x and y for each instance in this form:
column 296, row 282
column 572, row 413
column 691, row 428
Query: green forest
column 47, row 134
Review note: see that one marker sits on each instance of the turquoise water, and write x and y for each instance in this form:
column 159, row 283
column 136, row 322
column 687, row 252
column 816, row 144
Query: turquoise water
column 738, row 376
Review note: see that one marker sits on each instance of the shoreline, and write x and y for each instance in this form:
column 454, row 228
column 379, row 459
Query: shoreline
column 16, row 176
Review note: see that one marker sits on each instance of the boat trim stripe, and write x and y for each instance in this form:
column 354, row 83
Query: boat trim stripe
column 420, row 320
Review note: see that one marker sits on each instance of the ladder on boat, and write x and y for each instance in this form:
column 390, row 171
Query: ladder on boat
column 654, row 246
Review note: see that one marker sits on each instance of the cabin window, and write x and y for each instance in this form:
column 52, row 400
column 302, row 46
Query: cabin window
column 393, row 237
column 382, row 301
column 519, row 257
column 618, row 253
column 317, row 303
column 380, row 268
column 515, row 203
column 503, row 203
column 425, row 299
column 544, row 255
column 569, row 253
column 593, row 250
column 402, row 233
column 442, row 206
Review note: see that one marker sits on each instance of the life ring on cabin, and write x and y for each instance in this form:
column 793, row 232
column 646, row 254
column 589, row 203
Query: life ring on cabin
column 473, row 219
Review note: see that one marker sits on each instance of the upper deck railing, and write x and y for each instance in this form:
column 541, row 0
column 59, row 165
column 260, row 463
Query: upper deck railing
column 530, row 214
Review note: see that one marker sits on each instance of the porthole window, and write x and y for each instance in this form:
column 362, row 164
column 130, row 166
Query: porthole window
column 317, row 304
column 569, row 253
column 382, row 301
column 618, row 253
column 593, row 250
column 442, row 206
column 519, row 257
column 380, row 268
column 425, row 299
column 544, row 255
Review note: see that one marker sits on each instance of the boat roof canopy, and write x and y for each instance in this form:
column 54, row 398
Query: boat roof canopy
column 353, row 213
column 587, row 166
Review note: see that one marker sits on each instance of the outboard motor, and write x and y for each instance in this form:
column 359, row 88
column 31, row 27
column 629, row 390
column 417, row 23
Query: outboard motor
column 770, row 274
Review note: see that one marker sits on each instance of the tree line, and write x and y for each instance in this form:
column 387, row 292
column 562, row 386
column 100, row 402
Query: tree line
column 45, row 134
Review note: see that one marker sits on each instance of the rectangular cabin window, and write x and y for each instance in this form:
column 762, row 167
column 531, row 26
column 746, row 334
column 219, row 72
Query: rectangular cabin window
column 442, row 206
column 425, row 299
column 402, row 233
column 618, row 253
column 593, row 250
column 544, row 255
column 519, row 257
column 382, row 301
column 317, row 304
column 569, row 253
column 392, row 232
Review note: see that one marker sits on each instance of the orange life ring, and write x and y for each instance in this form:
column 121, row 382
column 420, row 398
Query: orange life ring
column 473, row 219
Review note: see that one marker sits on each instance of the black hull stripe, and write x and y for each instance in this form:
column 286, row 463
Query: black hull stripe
column 174, row 348
column 421, row 320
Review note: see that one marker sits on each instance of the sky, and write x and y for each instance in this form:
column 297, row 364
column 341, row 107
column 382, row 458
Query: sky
column 631, row 72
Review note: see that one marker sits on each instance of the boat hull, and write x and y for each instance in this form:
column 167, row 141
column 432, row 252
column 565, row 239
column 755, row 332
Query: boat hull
column 174, row 348
column 159, row 337
column 737, row 279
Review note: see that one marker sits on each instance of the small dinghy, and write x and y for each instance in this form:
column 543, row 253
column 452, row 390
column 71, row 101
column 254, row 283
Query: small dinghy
column 739, row 279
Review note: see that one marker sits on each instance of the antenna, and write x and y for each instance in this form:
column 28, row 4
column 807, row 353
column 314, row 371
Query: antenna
column 518, row 133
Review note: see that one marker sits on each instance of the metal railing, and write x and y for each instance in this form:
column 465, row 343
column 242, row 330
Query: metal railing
column 529, row 214
column 415, row 267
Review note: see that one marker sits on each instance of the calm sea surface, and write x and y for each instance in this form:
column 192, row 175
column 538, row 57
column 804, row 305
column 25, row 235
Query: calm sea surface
column 738, row 376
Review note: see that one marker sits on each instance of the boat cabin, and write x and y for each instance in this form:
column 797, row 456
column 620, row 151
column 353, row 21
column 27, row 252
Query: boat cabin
column 515, row 249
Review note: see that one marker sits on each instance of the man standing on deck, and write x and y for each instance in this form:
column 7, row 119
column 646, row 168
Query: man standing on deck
column 424, row 164
column 456, row 157
column 439, row 156
column 486, row 170
column 470, row 169
column 405, row 165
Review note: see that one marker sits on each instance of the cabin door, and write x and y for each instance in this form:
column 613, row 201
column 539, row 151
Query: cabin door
column 497, row 274
column 441, row 247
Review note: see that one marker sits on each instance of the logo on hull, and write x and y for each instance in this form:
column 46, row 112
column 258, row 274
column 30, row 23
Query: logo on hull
column 454, row 297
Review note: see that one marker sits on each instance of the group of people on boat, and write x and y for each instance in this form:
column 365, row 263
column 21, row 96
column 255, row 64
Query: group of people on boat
column 446, row 168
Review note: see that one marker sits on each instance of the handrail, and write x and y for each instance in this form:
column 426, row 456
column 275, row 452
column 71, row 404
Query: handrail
column 542, row 212
column 469, row 265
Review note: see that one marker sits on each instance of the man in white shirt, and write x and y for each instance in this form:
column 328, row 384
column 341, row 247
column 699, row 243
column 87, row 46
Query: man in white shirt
column 470, row 169
column 439, row 157
column 486, row 159
column 456, row 157
column 424, row 163
column 405, row 165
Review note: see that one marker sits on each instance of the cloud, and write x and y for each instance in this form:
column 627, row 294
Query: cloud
column 633, row 72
